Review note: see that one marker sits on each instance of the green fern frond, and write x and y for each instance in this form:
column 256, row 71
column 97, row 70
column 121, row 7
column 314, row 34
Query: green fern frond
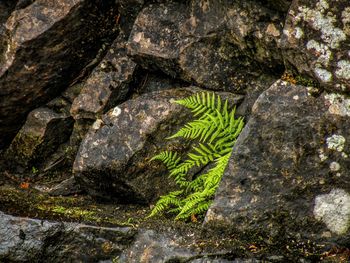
column 170, row 159
column 217, row 130
column 165, row 202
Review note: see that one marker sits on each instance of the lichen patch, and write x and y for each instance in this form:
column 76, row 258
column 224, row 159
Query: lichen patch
column 336, row 142
column 333, row 209
column 338, row 104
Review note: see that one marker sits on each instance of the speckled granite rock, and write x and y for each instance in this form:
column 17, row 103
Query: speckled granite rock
column 216, row 44
column 289, row 172
column 113, row 159
column 316, row 41
column 107, row 86
column 46, row 45
column 30, row 240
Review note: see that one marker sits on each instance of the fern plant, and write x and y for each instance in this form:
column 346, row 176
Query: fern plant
column 216, row 130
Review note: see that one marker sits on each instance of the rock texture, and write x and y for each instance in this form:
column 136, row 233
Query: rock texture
column 30, row 240
column 316, row 40
column 41, row 135
column 209, row 42
column 44, row 46
column 288, row 174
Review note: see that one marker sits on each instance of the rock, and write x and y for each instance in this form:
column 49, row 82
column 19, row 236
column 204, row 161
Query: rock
column 288, row 174
column 30, row 240
column 46, row 45
column 214, row 44
column 6, row 7
column 113, row 159
column 151, row 246
column 40, row 136
column 65, row 188
column 279, row 5
column 316, row 39
column 107, row 86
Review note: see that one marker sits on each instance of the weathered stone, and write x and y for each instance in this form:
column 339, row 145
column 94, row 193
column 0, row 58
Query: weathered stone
column 151, row 246
column 113, row 160
column 107, row 86
column 213, row 43
column 40, row 136
column 66, row 187
column 46, row 45
column 316, row 41
column 282, row 179
column 30, row 240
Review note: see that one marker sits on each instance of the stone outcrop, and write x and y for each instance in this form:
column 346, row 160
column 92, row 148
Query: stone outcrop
column 30, row 240
column 44, row 47
column 288, row 174
column 316, row 40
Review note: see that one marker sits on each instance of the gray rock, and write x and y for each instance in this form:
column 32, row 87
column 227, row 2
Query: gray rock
column 46, row 45
column 316, row 40
column 288, row 174
column 214, row 44
column 31, row 240
column 107, row 86
column 113, row 159
column 40, row 136
column 151, row 246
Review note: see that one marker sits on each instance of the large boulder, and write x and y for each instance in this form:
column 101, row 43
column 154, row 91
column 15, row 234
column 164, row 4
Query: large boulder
column 214, row 44
column 31, row 240
column 316, row 41
column 288, row 176
column 44, row 46
column 114, row 158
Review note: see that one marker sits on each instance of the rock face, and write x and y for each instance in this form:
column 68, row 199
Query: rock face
column 113, row 159
column 288, row 174
column 211, row 43
column 108, row 84
column 41, row 135
column 316, row 40
column 30, row 240
column 46, row 45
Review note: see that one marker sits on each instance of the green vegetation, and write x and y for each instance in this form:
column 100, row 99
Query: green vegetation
column 216, row 130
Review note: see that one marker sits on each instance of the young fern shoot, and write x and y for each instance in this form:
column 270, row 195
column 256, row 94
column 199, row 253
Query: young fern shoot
column 216, row 130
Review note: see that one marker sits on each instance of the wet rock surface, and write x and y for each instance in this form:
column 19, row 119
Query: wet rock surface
column 30, row 240
column 316, row 39
column 46, row 45
column 288, row 170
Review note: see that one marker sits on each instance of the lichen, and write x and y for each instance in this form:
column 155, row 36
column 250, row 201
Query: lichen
column 343, row 69
column 323, row 74
column 338, row 104
column 333, row 209
column 336, row 142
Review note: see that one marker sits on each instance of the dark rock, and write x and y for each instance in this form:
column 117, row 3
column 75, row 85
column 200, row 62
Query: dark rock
column 30, row 240
column 40, row 136
column 316, row 41
column 65, row 188
column 113, row 159
column 288, row 174
column 279, row 5
column 46, row 45
column 6, row 7
column 23, row 3
column 107, row 86
column 211, row 43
